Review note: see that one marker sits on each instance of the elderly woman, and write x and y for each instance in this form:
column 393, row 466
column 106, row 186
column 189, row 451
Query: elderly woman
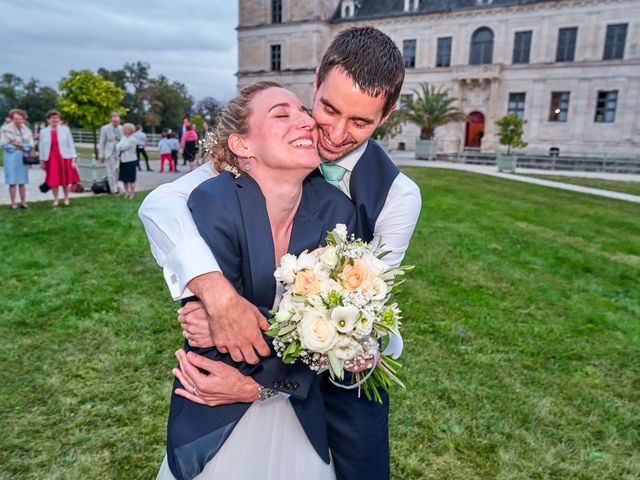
column 58, row 157
column 16, row 140
column 128, row 160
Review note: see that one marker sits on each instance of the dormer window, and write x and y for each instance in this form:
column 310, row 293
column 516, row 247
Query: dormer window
column 411, row 6
column 348, row 9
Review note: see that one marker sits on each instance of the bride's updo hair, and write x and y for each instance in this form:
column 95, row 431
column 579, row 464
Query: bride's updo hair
column 234, row 118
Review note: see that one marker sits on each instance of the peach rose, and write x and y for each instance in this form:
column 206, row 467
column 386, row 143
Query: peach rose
column 357, row 276
column 306, row 284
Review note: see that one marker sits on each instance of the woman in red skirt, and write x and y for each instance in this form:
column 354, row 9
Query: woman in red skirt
column 58, row 157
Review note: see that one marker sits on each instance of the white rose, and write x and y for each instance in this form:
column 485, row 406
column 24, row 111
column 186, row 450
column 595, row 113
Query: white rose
column 365, row 324
column 285, row 273
column 329, row 258
column 317, row 332
column 345, row 318
column 306, row 260
column 378, row 289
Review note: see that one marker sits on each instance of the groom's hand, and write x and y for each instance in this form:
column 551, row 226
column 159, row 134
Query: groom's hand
column 223, row 385
column 234, row 322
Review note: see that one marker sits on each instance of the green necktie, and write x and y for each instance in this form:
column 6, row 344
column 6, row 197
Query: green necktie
column 333, row 173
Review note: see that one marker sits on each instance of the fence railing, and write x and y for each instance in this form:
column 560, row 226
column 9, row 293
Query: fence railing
column 86, row 136
column 607, row 164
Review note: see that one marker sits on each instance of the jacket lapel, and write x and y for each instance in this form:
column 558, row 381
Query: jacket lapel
column 308, row 230
column 261, row 289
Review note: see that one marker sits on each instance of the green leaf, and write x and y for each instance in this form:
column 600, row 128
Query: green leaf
column 336, row 366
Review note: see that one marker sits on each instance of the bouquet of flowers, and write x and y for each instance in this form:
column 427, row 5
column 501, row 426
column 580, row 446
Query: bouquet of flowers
column 336, row 312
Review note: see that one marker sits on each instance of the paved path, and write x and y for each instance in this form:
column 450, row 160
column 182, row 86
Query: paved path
column 150, row 180
column 145, row 181
column 403, row 159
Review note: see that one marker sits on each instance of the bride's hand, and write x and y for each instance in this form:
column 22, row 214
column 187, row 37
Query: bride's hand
column 360, row 367
column 223, row 385
column 194, row 321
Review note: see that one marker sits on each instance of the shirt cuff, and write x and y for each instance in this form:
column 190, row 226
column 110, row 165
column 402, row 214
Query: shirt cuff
column 188, row 260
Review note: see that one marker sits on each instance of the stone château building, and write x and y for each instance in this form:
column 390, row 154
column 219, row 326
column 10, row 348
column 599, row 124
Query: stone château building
column 571, row 68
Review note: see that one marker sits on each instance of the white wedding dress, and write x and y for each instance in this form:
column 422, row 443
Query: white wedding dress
column 267, row 444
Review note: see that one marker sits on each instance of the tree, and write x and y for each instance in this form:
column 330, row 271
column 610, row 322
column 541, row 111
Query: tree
column 209, row 108
column 511, row 131
column 89, row 99
column 137, row 76
column 169, row 100
column 36, row 100
column 431, row 108
column 10, row 91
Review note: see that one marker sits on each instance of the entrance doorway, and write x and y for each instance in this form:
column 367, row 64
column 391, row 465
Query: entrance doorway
column 474, row 130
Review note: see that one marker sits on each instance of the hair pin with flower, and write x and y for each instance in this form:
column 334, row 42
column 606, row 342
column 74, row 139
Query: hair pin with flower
column 208, row 144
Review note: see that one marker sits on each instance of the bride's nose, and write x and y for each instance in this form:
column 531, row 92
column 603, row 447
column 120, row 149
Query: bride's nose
column 306, row 121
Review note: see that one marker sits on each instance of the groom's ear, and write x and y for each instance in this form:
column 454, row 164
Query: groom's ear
column 315, row 82
column 386, row 117
column 238, row 146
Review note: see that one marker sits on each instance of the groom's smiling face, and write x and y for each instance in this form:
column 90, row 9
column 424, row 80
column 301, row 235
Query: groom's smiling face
column 346, row 115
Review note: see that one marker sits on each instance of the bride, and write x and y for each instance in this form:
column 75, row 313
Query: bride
column 262, row 205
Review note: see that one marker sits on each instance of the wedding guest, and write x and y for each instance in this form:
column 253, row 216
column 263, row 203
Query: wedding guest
column 58, row 157
column 164, row 147
column 175, row 148
column 183, row 128
column 141, row 145
column 110, row 135
column 16, row 139
column 189, row 144
column 126, row 147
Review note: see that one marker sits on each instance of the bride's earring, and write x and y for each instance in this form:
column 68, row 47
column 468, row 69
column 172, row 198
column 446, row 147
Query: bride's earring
column 247, row 166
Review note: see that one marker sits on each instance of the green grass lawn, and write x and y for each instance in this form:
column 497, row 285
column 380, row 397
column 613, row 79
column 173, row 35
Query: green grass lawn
column 522, row 340
column 615, row 185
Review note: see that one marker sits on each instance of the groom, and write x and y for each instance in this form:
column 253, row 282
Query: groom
column 356, row 88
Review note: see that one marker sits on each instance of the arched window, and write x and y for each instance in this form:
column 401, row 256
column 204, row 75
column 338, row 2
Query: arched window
column 481, row 46
column 347, row 11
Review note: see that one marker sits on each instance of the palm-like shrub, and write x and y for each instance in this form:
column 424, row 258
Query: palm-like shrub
column 431, row 108
column 511, row 131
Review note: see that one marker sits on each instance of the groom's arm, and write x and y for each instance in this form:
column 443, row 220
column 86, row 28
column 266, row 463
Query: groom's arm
column 190, row 267
column 175, row 241
column 397, row 220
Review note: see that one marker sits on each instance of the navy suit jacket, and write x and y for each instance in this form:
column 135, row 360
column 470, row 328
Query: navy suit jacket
column 231, row 215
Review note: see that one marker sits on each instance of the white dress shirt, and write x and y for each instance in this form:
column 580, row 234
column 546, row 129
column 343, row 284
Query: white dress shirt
column 182, row 253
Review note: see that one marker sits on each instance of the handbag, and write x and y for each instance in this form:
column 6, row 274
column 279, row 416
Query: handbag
column 44, row 188
column 101, row 186
column 30, row 158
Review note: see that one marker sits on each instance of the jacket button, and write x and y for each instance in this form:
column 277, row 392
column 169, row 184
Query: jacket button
column 276, row 384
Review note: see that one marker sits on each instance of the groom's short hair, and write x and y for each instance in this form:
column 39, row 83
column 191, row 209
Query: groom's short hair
column 370, row 58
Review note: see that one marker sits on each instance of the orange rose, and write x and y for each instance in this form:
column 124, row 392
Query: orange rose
column 306, row 284
column 357, row 276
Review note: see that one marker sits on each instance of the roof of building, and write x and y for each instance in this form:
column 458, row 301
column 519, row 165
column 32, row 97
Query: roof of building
column 375, row 9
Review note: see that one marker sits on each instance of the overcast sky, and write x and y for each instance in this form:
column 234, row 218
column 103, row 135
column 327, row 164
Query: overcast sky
column 192, row 42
